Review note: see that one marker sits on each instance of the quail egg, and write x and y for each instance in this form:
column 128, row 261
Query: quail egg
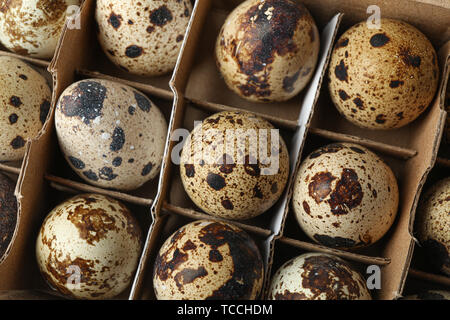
column 88, row 247
column 433, row 225
column 317, row 276
column 25, row 98
column 234, row 165
column 383, row 78
column 143, row 37
column 429, row 295
column 112, row 135
column 33, row 27
column 8, row 213
column 345, row 196
column 208, row 260
column 267, row 50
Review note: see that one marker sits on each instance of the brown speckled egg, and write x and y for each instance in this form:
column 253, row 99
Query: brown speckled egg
column 433, row 225
column 429, row 295
column 227, row 177
column 267, row 49
column 8, row 213
column 208, row 260
column 345, row 196
column 88, row 247
column 112, row 135
column 383, row 78
column 33, row 27
column 143, row 37
column 318, row 276
column 25, row 101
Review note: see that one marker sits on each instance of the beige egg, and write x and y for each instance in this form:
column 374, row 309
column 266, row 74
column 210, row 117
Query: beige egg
column 8, row 213
column 345, row 196
column 33, row 27
column 143, row 37
column 235, row 165
column 317, row 276
column 267, row 50
column 208, row 260
column 88, row 247
column 383, row 78
column 25, row 98
column 433, row 225
column 112, row 135
column 429, row 295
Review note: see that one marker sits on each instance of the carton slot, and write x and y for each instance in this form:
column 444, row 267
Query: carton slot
column 37, row 62
column 340, row 253
column 443, row 162
column 10, row 169
column 429, row 277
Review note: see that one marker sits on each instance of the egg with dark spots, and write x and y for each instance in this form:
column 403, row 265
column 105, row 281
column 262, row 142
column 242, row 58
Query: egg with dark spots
column 96, row 132
column 268, row 50
column 8, row 214
column 433, row 225
column 318, row 276
column 143, row 37
column 88, row 247
column 383, row 78
column 33, row 27
column 224, row 171
column 25, row 99
column 345, row 196
column 208, row 260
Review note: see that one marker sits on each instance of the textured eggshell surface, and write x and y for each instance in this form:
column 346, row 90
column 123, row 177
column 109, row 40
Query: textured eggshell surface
column 433, row 225
column 112, row 135
column 224, row 173
column 143, row 37
column 317, row 276
column 345, row 196
column 33, row 27
column 8, row 213
column 383, row 78
column 92, row 240
column 429, row 295
column 267, row 50
column 208, row 260
column 25, row 99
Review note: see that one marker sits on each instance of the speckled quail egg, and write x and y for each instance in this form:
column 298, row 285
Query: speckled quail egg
column 429, row 295
column 345, row 196
column 383, row 78
column 143, row 37
column 267, row 50
column 33, row 27
column 112, row 135
column 433, row 225
column 25, row 98
column 8, row 213
column 207, row 260
column 317, row 276
column 235, row 165
column 88, row 247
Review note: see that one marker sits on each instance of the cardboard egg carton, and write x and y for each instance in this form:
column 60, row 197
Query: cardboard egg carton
column 195, row 91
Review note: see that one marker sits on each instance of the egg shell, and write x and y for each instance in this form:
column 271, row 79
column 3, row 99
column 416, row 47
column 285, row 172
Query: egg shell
column 8, row 213
column 224, row 176
column 433, row 225
column 25, row 98
column 208, row 260
column 33, row 27
column 429, row 295
column 317, row 276
column 92, row 239
column 143, row 37
column 345, row 196
column 383, row 78
column 112, row 135
column 267, row 50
